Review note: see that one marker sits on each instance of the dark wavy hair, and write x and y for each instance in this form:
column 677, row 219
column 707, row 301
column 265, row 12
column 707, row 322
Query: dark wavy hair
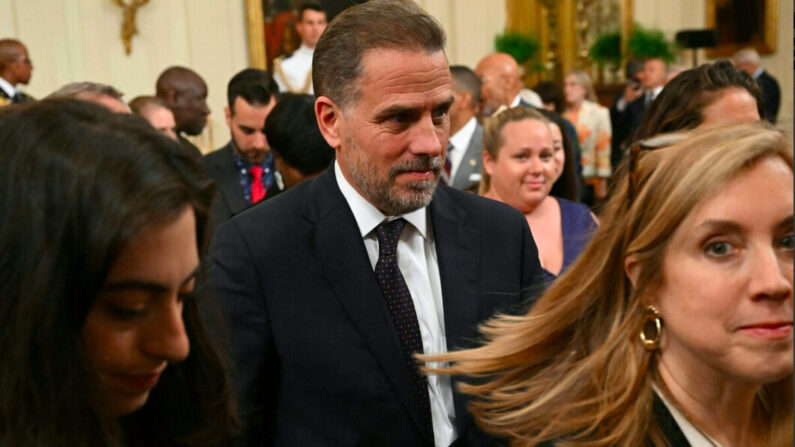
column 77, row 183
column 680, row 104
column 292, row 132
column 567, row 185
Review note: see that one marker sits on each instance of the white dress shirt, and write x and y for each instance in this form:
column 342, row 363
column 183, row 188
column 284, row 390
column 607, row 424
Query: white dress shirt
column 295, row 68
column 416, row 255
column 7, row 87
column 460, row 142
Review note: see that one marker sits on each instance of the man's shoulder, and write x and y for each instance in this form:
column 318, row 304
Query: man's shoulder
column 218, row 158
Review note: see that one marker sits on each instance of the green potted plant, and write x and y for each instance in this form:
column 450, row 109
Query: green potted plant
column 524, row 48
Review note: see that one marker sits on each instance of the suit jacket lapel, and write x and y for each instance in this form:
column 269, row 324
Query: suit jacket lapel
column 471, row 161
column 338, row 247
column 229, row 181
column 459, row 259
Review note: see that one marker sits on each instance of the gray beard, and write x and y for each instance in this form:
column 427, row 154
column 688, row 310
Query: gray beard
column 385, row 195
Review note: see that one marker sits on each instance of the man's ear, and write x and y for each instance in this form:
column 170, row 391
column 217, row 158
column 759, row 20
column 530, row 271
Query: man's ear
column 329, row 120
column 228, row 115
column 171, row 96
column 632, row 268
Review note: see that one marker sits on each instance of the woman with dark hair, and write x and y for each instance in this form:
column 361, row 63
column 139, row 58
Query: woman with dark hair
column 711, row 94
column 102, row 225
column 567, row 185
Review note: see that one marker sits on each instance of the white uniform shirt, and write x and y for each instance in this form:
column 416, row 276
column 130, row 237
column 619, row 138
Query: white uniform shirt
column 295, row 68
column 8, row 88
column 418, row 264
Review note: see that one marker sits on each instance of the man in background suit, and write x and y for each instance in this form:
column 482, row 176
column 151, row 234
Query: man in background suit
column 501, row 84
column 466, row 135
column 335, row 284
column 185, row 93
column 627, row 112
column 748, row 60
column 243, row 170
column 15, row 69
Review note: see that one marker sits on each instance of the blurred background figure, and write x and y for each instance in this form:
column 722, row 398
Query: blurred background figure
column 102, row 94
column 15, row 68
column 501, row 84
column 185, row 93
column 294, row 72
column 628, row 111
column 592, row 122
column 551, row 96
column 711, row 94
column 674, row 327
column 463, row 163
column 567, row 185
column 299, row 150
column 520, row 167
column 155, row 111
column 243, row 169
column 748, row 61
column 103, row 345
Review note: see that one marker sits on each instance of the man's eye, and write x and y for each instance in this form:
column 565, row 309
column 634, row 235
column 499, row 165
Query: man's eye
column 786, row 242
column 124, row 314
column 247, row 131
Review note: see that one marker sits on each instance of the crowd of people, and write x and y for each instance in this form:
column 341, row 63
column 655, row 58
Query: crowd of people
column 394, row 251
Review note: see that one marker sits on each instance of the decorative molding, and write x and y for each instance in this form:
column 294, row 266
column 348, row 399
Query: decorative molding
column 766, row 38
column 255, row 25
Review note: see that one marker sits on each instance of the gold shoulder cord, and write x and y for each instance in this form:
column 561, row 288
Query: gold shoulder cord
column 277, row 65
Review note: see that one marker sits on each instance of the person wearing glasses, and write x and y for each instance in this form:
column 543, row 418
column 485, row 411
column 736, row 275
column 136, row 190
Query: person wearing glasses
column 674, row 327
column 102, row 343
column 521, row 163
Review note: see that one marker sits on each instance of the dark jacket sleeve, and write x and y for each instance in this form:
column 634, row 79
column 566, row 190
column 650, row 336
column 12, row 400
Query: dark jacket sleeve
column 241, row 295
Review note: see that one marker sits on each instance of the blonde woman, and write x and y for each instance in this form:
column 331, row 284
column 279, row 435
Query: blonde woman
column 521, row 163
column 674, row 327
column 592, row 122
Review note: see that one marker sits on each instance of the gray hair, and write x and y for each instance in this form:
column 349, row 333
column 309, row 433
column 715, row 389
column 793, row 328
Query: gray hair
column 746, row 56
column 86, row 90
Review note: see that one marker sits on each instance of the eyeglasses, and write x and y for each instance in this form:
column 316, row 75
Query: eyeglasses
column 649, row 144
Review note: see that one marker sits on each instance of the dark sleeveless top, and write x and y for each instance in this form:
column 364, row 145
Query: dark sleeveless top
column 578, row 226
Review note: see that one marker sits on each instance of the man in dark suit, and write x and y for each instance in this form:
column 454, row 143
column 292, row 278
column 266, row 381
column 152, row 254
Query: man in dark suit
column 243, row 170
column 628, row 111
column 335, row 284
column 185, row 93
column 15, row 69
column 466, row 135
column 748, row 60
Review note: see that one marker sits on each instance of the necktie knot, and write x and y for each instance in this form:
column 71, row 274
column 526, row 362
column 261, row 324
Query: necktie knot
column 256, row 173
column 388, row 234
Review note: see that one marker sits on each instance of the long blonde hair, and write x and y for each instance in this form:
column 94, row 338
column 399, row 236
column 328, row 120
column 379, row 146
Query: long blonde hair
column 572, row 370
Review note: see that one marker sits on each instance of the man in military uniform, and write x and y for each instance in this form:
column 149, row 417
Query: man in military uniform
column 294, row 73
column 15, row 68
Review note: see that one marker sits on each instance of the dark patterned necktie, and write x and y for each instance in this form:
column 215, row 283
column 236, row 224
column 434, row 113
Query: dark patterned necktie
column 401, row 308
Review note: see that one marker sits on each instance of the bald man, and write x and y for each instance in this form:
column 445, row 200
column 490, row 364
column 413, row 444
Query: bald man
column 15, row 69
column 185, row 93
column 501, row 84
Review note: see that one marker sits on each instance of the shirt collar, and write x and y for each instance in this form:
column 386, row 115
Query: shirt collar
column 242, row 163
column 756, row 74
column 304, row 50
column 7, row 87
column 461, row 138
column 368, row 216
column 516, row 100
column 656, row 91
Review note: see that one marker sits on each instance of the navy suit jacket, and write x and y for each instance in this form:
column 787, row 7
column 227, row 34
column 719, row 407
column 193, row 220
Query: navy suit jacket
column 318, row 359
column 771, row 94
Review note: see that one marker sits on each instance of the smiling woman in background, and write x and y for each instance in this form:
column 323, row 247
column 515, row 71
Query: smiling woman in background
column 519, row 169
column 674, row 327
column 102, row 226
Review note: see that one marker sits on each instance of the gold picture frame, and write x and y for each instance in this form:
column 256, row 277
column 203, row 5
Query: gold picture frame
column 743, row 24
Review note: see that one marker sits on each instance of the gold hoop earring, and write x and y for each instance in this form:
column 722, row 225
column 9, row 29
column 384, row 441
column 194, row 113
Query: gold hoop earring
column 651, row 332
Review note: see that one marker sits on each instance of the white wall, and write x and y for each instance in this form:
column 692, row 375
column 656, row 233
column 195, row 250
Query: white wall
column 470, row 25
column 79, row 40
column 673, row 15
